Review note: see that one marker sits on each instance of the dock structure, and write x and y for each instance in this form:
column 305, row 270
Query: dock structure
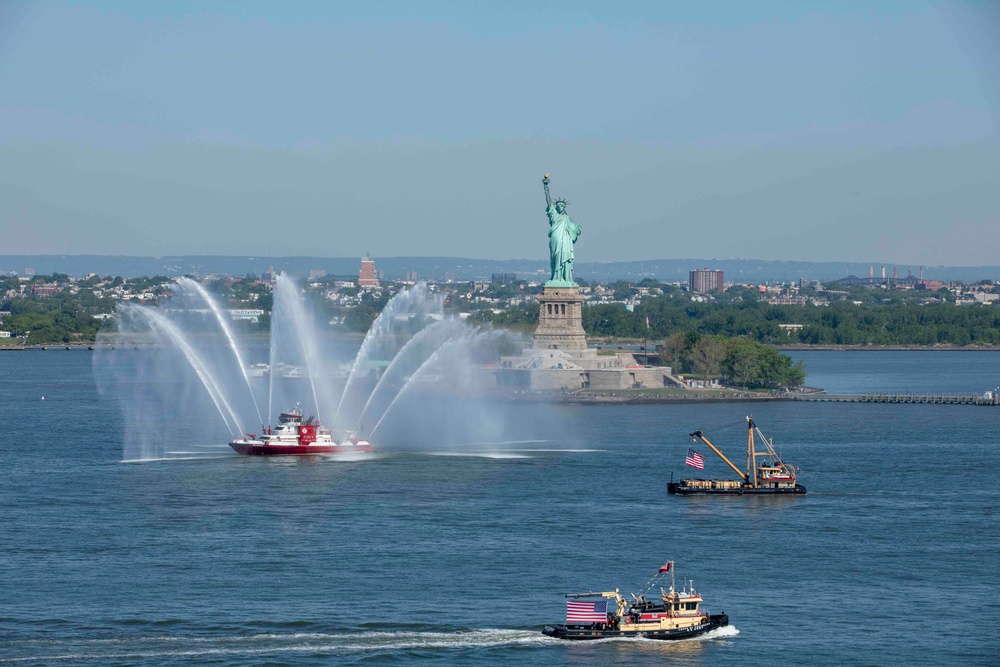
column 989, row 398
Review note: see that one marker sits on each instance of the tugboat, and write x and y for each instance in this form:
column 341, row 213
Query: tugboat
column 773, row 476
column 675, row 616
column 295, row 437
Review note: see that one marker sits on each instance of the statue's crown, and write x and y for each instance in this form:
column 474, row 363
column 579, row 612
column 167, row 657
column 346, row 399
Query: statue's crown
column 564, row 202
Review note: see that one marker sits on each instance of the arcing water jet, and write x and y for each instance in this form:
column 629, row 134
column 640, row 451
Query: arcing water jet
column 193, row 285
column 415, row 301
column 155, row 391
column 157, row 321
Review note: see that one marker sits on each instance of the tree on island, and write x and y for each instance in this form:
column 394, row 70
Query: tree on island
column 749, row 364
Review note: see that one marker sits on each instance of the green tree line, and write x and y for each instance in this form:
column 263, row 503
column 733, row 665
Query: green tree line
column 840, row 323
column 737, row 361
column 60, row 318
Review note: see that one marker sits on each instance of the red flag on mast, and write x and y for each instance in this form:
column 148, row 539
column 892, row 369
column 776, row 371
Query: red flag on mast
column 665, row 568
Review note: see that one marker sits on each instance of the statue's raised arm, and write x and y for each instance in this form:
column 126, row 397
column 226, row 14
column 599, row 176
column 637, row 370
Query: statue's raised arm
column 548, row 197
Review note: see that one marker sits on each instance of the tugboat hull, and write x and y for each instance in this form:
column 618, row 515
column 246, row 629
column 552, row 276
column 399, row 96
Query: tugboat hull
column 588, row 632
column 681, row 489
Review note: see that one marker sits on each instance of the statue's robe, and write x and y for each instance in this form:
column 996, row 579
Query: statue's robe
column 563, row 233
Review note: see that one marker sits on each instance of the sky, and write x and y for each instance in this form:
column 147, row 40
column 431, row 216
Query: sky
column 821, row 131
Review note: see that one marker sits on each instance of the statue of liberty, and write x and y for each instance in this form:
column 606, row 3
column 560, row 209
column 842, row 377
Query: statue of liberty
column 563, row 233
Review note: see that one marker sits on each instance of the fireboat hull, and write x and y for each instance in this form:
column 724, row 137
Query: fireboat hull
column 680, row 489
column 259, row 449
column 590, row 631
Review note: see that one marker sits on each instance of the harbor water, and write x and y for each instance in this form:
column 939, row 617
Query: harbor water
column 459, row 555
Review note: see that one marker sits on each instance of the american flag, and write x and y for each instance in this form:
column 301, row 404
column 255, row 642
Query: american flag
column 695, row 460
column 586, row 612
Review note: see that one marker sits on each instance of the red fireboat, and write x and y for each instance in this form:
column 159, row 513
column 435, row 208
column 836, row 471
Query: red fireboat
column 295, row 437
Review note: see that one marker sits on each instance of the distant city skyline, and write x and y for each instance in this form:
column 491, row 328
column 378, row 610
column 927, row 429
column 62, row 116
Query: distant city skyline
column 467, row 269
column 826, row 132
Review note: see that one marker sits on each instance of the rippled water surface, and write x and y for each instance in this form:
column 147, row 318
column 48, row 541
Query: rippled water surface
column 459, row 556
column 855, row 371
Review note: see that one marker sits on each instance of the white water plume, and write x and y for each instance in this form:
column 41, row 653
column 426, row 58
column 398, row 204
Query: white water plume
column 185, row 375
column 186, row 283
column 397, row 317
column 447, row 369
column 159, row 322
column 289, row 309
column 409, row 359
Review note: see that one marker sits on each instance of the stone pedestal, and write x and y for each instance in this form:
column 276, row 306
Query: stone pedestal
column 560, row 320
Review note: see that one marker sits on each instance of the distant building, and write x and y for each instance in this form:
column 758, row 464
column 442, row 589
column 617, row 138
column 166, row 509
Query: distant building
column 503, row 278
column 44, row 290
column 367, row 277
column 411, row 276
column 4, row 334
column 315, row 274
column 705, row 280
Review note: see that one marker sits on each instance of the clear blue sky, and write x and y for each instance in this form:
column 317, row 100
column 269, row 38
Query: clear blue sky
column 855, row 131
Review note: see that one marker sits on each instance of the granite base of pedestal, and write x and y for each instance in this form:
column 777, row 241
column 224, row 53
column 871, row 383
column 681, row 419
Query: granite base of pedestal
column 560, row 320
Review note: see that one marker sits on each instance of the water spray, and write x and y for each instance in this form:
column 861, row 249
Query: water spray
column 286, row 289
column 445, row 348
column 157, row 321
column 187, row 283
column 418, row 295
column 405, row 353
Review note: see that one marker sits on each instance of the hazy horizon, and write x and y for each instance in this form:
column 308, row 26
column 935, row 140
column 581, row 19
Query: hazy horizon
column 829, row 132
column 466, row 268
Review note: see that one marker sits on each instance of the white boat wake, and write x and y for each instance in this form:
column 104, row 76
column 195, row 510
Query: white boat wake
column 357, row 643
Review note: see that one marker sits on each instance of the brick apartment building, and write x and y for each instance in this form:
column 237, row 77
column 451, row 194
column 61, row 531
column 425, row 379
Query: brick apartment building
column 705, row 280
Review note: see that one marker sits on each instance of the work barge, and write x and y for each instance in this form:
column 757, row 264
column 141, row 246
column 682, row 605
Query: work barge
column 770, row 477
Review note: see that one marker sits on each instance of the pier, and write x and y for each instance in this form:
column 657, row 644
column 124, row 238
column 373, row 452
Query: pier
column 987, row 398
